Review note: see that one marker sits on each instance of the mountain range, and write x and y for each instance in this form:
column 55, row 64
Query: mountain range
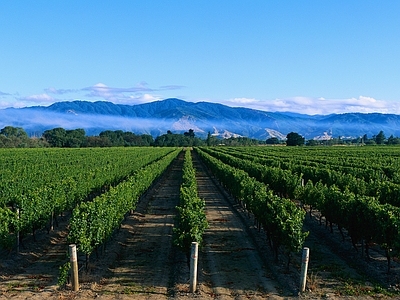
column 178, row 116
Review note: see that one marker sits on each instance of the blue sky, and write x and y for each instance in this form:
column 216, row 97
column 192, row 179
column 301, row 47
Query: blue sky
column 315, row 57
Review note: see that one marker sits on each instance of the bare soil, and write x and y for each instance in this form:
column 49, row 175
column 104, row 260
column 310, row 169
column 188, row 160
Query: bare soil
column 235, row 261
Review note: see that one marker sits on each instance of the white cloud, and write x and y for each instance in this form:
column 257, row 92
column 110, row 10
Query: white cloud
column 141, row 93
column 106, row 92
column 323, row 106
column 39, row 99
column 150, row 98
column 139, row 99
column 4, row 104
column 100, row 90
column 244, row 101
column 18, row 101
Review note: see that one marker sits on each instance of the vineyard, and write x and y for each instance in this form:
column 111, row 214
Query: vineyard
column 38, row 185
column 341, row 202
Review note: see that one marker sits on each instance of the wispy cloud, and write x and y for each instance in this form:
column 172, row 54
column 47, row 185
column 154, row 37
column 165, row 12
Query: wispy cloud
column 131, row 95
column 170, row 87
column 140, row 93
column 137, row 94
column 53, row 90
column 313, row 106
column 40, row 99
column 102, row 90
column 4, row 94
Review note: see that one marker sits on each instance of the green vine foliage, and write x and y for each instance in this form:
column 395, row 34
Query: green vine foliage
column 357, row 189
column 42, row 183
column 63, row 276
column 8, row 228
column 280, row 217
column 92, row 223
column 191, row 217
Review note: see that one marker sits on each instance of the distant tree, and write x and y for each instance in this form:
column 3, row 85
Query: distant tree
column 6, row 142
column 120, row 138
column 190, row 133
column 12, row 137
column 97, row 141
column 211, row 140
column 393, row 140
column 130, row 139
column 75, row 138
column 55, row 137
column 294, row 139
column 146, row 140
column 240, row 141
column 177, row 140
column 364, row 139
column 380, row 138
column 16, row 137
column 313, row 143
column 272, row 141
column 116, row 137
column 59, row 137
column 171, row 140
column 370, row 142
column 35, row 142
column 357, row 141
column 10, row 131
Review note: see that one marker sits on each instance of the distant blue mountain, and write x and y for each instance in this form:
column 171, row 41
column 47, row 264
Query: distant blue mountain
column 176, row 115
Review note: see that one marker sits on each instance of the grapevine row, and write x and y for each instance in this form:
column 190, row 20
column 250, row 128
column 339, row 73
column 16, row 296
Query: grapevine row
column 366, row 163
column 92, row 223
column 66, row 185
column 282, row 182
column 383, row 190
column 281, row 218
column 191, row 217
column 364, row 217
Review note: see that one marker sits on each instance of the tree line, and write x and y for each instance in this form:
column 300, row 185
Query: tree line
column 16, row 137
column 295, row 139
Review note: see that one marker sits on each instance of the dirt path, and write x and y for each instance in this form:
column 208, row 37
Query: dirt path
column 145, row 263
column 337, row 269
column 35, row 269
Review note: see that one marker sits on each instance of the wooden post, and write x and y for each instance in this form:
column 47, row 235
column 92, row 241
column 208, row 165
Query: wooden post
column 301, row 202
column 304, row 267
column 193, row 266
column 74, row 267
column 52, row 221
column 18, row 231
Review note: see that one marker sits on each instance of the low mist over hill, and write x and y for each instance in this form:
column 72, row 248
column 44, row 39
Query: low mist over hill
column 176, row 115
